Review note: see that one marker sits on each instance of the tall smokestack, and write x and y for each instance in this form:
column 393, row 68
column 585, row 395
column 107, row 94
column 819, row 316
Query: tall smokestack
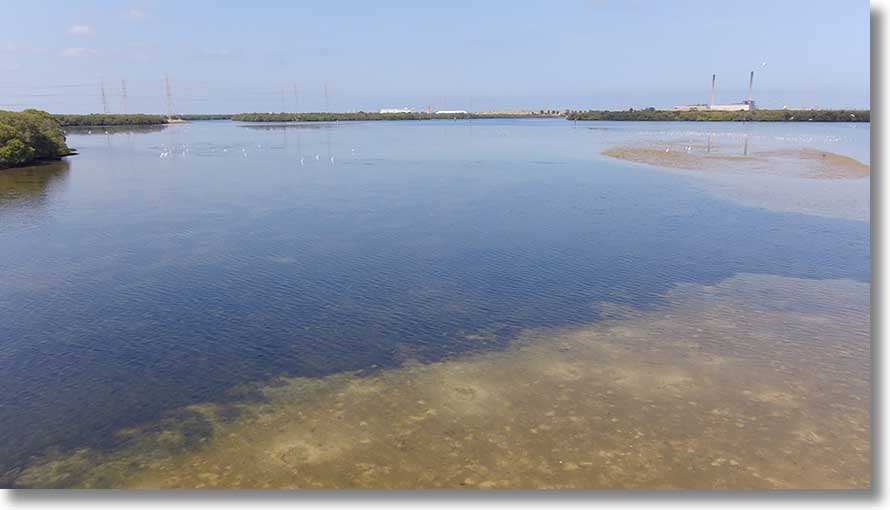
column 713, row 89
column 750, row 87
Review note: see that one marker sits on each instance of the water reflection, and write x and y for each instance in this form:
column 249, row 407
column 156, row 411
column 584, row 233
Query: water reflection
column 113, row 130
column 31, row 187
column 279, row 127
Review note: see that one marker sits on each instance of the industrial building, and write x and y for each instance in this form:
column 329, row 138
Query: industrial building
column 744, row 106
column 396, row 110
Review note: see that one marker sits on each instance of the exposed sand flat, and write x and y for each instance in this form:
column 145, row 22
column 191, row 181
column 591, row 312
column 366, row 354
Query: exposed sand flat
column 784, row 179
column 796, row 162
column 758, row 381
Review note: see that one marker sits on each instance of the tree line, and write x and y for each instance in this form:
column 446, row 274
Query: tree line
column 651, row 114
column 331, row 116
column 328, row 116
column 109, row 119
column 29, row 136
column 648, row 114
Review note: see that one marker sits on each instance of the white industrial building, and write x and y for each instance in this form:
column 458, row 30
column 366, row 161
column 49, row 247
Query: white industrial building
column 732, row 107
column 396, row 110
column 744, row 106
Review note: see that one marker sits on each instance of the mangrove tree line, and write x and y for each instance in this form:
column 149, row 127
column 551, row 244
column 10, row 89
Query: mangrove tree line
column 29, row 136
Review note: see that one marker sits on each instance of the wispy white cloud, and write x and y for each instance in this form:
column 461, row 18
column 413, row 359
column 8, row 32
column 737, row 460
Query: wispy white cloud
column 135, row 13
column 78, row 52
column 81, row 31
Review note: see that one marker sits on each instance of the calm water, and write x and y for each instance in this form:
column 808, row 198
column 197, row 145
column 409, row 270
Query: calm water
column 164, row 267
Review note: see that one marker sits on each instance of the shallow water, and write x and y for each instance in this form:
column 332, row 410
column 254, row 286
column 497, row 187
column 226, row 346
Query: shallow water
column 157, row 275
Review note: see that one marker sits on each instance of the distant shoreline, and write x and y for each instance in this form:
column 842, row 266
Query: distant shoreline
column 651, row 114
column 646, row 115
column 111, row 120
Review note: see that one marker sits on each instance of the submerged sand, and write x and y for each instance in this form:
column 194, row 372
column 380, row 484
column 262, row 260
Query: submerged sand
column 796, row 162
column 788, row 179
column 755, row 382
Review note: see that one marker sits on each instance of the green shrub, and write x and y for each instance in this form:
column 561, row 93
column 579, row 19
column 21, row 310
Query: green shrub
column 29, row 136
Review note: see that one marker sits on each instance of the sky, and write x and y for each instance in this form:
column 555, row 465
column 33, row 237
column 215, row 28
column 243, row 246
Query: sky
column 264, row 55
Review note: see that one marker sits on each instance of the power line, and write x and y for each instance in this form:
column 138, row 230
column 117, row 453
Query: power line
column 30, row 87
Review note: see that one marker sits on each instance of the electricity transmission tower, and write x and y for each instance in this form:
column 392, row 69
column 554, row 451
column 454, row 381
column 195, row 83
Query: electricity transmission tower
column 326, row 109
column 124, row 93
column 102, row 94
column 170, row 111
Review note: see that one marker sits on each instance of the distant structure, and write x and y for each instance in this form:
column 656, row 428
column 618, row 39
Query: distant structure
column 102, row 94
column 396, row 110
column 124, row 93
column 171, row 111
column 326, row 103
column 169, row 97
column 750, row 100
column 744, row 106
column 450, row 112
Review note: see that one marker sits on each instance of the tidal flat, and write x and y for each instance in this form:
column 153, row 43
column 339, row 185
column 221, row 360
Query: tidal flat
column 754, row 382
column 790, row 170
column 804, row 162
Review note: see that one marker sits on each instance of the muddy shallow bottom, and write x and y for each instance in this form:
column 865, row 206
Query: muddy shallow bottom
column 756, row 382
column 791, row 178
column 794, row 162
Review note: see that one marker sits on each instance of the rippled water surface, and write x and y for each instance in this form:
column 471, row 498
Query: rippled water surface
column 200, row 263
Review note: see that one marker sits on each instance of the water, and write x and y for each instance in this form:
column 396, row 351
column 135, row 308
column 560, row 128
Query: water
column 163, row 268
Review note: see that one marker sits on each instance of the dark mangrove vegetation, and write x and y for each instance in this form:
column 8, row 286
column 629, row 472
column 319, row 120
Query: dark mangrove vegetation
column 204, row 116
column 130, row 119
column 328, row 116
column 29, row 136
column 332, row 117
column 109, row 119
column 650, row 114
column 647, row 114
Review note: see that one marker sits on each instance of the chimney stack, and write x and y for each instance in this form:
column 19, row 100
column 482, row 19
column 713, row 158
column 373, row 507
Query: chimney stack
column 713, row 89
column 750, row 87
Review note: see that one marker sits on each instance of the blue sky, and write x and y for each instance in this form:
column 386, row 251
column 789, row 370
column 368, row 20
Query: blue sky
column 248, row 56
